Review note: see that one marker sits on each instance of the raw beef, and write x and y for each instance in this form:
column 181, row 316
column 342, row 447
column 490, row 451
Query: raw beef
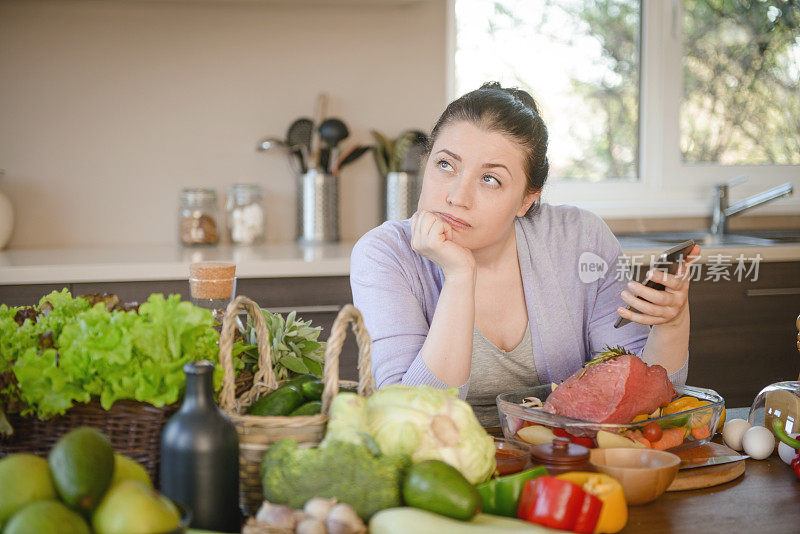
column 614, row 391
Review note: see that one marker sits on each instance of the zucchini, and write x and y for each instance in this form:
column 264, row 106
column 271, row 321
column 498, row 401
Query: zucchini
column 406, row 519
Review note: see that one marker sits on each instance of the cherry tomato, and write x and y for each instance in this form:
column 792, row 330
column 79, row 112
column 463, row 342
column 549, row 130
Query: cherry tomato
column 652, row 432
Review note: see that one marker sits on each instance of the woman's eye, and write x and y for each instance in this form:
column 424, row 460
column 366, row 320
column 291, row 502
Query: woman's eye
column 442, row 162
column 491, row 180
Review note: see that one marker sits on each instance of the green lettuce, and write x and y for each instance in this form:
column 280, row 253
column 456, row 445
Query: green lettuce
column 70, row 352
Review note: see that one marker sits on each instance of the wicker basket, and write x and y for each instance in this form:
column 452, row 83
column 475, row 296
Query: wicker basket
column 134, row 429
column 256, row 433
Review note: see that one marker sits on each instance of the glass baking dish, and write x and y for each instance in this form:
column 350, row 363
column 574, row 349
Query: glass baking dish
column 513, row 417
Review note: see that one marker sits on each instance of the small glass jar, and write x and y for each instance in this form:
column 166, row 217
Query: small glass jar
column 245, row 214
column 198, row 217
column 212, row 285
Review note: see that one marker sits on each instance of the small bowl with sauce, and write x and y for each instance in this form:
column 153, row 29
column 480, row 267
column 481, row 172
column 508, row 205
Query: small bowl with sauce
column 512, row 457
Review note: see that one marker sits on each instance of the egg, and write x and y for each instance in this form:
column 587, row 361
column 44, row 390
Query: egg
column 758, row 442
column 733, row 431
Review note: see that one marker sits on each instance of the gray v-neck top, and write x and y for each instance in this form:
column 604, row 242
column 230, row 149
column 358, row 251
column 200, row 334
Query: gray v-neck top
column 496, row 371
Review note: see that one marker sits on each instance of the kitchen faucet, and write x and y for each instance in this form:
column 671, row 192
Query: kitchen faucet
column 723, row 210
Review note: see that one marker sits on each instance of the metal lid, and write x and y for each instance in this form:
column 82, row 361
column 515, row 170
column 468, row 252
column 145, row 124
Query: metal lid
column 198, row 194
column 561, row 451
column 245, row 193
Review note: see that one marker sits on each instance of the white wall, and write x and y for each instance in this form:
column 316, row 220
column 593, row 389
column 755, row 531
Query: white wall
column 109, row 108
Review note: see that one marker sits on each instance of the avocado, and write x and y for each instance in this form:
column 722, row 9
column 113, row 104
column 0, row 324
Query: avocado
column 312, row 390
column 309, row 408
column 438, row 487
column 46, row 517
column 24, row 478
column 282, row 401
column 82, row 464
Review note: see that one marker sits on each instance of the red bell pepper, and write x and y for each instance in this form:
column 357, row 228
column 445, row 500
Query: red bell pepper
column 589, row 515
column 561, row 504
column 586, row 442
column 795, row 464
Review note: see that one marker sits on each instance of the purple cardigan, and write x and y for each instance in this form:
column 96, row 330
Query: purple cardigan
column 397, row 289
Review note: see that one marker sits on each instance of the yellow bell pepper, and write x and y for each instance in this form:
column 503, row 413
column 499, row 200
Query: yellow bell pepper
column 614, row 514
column 681, row 404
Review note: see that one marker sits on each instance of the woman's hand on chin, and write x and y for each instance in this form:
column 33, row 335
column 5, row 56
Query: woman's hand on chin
column 433, row 238
column 668, row 307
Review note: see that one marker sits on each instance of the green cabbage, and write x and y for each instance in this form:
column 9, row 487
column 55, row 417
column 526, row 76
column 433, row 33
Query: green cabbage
column 422, row 422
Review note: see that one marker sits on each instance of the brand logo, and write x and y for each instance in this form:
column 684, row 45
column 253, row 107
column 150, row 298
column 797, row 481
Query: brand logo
column 591, row 267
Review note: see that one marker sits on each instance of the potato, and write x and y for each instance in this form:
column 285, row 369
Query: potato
column 536, row 434
column 607, row 440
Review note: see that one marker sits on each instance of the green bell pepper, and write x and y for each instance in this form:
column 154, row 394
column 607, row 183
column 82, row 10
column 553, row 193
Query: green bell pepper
column 501, row 495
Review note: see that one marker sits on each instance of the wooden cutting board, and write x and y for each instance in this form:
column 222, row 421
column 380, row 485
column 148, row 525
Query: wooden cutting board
column 712, row 475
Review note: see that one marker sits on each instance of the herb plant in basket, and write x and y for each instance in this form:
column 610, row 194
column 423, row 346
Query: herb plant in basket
column 294, row 346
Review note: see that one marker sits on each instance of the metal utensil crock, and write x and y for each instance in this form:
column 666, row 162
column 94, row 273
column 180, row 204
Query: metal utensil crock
column 317, row 207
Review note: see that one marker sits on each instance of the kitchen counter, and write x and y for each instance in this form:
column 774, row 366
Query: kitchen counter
column 274, row 260
column 169, row 262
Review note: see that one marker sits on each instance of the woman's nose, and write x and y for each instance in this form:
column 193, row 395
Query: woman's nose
column 460, row 193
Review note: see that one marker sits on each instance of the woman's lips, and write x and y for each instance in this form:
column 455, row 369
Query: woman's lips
column 455, row 222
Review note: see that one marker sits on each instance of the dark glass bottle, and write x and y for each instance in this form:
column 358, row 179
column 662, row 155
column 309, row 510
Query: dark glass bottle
column 200, row 456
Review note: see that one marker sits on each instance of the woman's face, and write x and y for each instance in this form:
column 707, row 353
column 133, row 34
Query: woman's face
column 474, row 180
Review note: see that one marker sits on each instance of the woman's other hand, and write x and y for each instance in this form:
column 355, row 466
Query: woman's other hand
column 667, row 307
column 433, row 238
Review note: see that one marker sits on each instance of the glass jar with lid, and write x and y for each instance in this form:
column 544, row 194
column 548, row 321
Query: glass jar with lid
column 245, row 214
column 197, row 217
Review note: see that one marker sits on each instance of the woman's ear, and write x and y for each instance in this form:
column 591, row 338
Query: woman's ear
column 527, row 202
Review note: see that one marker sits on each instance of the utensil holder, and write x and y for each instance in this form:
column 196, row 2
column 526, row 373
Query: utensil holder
column 317, row 207
column 401, row 194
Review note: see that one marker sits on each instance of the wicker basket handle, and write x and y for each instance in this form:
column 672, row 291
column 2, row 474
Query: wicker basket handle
column 264, row 379
column 366, row 384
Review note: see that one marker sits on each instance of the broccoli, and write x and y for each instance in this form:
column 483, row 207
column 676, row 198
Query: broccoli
column 351, row 473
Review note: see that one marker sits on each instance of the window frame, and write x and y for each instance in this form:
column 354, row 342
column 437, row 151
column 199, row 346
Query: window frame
column 667, row 187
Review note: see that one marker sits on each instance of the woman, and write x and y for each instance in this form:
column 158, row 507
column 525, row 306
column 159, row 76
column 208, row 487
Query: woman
column 481, row 288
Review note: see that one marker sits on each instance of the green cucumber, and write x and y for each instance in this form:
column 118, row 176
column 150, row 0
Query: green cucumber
column 312, row 390
column 440, row 488
column 300, row 380
column 309, row 408
column 282, row 401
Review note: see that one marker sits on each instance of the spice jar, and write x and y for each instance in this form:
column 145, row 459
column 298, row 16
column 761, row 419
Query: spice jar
column 198, row 217
column 212, row 285
column 245, row 214
column 561, row 456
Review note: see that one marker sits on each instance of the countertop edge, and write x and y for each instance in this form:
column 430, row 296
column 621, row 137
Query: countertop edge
column 281, row 260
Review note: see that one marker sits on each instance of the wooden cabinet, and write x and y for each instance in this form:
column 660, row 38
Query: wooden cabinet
column 743, row 333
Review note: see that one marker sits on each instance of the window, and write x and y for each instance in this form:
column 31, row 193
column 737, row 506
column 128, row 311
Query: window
column 649, row 103
column 741, row 79
column 580, row 60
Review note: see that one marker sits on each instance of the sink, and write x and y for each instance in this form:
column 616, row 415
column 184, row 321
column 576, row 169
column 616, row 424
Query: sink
column 705, row 239
column 780, row 236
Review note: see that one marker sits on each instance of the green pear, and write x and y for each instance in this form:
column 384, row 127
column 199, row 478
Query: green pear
column 131, row 507
column 127, row 469
column 24, row 478
column 46, row 517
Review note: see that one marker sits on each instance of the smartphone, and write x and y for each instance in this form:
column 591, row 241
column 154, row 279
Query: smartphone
column 668, row 261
